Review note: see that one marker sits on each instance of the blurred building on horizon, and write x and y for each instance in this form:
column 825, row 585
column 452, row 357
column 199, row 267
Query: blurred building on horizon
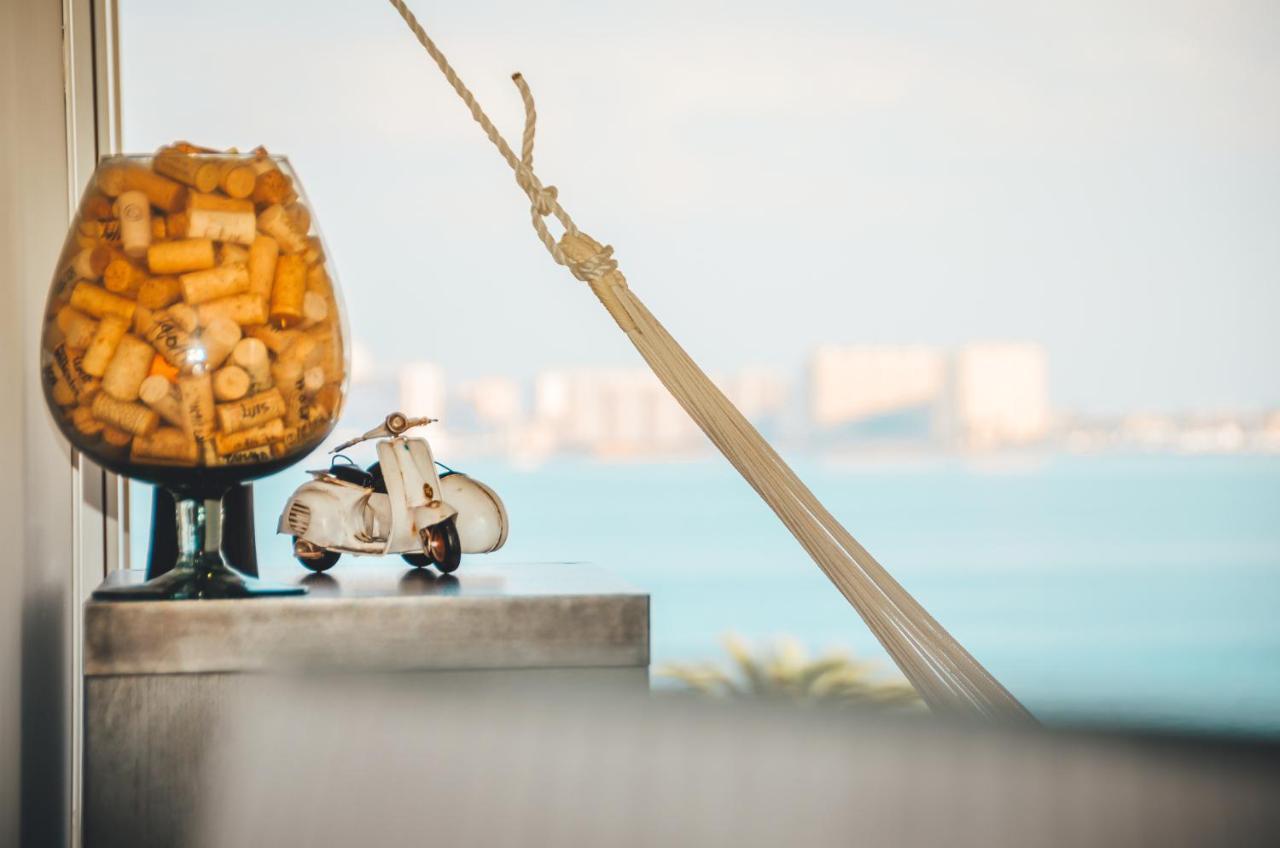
column 978, row 397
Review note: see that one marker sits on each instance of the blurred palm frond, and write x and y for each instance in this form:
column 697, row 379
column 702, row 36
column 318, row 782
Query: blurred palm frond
column 786, row 672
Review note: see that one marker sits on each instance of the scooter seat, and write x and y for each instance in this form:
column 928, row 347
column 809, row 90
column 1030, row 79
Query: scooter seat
column 352, row 474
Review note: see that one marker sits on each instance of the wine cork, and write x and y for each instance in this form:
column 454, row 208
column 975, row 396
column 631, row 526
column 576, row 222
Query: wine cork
column 116, row 438
column 248, row 456
column 318, row 281
column 77, row 328
column 159, row 231
column 131, row 417
column 217, row 203
column 177, row 225
column 160, row 367
column 99, row 303
column 220, row 281
column 244, row 309
column 96, row 207
column 297, row 436
column 277, row 341
column 134, row 212
column 250, row 354
column 222, row 226
column 272, row 187
column 308, row 398
column 122, row 277
column 180, row 257
column 262, row 265
column 252, row 411
column 167, row 445
column 128, row 368
column 144, row 319
column 221, row 219
column 276, row 222
column 230, row 383
column 111, row 179
column 304, row 413
column 171, row 340
column 288, row 291
column 107, row 230
column 236, row 178
column 159, row 292
column 90, row 262
column 230, row 253
column 315, row 308
column 161, row 192
column 185, row 316
column 300, row 218
column 63, row 282
column 83, row 420
column 287, row 377
column 314, row 254
column 102, row 348
column 219, row 338
column 68, row 365
column 188, row 147
column 303, row 353
column 252, row 437
column 197, row 406
column 59, row 390
column 261, row 161
column 103, row 255
column 313, row 379
column 330, row 397
column 199, row 172
column 163, row 397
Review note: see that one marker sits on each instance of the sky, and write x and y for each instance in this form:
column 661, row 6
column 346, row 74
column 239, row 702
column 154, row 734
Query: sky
column 1102, row 178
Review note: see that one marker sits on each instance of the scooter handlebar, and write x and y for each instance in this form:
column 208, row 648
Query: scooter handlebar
column 395, row 424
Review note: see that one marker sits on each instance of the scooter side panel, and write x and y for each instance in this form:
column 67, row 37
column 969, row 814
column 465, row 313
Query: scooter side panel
column 482, row 517
column 328, row 514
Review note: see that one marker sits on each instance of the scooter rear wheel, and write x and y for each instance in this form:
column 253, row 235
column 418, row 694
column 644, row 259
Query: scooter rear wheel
column 417, row 560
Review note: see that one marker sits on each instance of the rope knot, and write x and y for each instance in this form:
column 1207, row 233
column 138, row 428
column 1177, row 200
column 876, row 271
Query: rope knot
column 596, row 266
column 544, row 200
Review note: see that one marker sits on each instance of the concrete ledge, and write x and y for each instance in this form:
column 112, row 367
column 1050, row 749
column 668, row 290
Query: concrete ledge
column 381, row 616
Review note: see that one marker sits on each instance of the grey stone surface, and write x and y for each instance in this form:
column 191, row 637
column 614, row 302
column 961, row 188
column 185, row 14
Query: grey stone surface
column 162, row 678
column 384, row 617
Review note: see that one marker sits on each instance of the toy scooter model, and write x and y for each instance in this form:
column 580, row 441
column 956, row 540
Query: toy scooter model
column 399, row 505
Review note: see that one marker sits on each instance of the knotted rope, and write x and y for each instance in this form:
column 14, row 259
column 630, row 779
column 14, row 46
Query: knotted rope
column 942, row 671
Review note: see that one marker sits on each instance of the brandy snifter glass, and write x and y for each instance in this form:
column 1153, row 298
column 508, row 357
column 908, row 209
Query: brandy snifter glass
column 194, row 338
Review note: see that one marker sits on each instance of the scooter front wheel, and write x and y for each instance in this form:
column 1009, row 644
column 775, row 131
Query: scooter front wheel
column 313, row 556
column 440, row 542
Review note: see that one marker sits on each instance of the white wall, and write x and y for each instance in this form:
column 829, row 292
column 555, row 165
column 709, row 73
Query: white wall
column 36, row 477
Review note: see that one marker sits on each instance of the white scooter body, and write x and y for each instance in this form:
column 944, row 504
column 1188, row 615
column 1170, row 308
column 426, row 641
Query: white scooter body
column 340, row 516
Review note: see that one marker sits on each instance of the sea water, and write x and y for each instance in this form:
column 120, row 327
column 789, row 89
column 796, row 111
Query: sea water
column 1138, row 590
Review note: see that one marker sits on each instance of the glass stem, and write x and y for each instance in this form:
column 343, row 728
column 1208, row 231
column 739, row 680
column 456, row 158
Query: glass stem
column 199, row 532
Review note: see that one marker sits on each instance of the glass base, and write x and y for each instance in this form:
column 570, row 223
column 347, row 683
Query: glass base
column 200, row 572
column 214, row 580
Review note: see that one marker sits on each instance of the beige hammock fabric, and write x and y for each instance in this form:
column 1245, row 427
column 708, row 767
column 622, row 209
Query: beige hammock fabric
column 943, row 672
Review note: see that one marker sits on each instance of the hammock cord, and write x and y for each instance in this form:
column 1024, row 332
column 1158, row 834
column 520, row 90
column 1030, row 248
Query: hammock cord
column 947, row 677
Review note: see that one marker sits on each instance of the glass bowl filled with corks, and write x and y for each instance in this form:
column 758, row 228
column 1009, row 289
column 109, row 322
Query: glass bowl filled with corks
column 195, row 338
